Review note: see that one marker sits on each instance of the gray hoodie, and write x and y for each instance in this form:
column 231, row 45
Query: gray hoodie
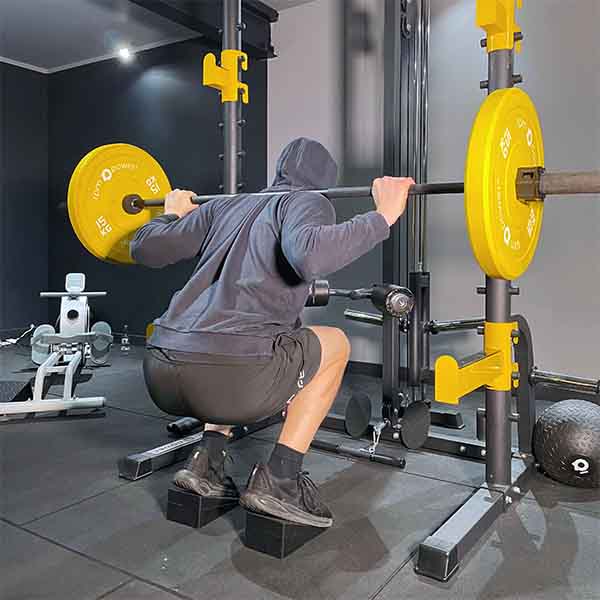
column 256, row 257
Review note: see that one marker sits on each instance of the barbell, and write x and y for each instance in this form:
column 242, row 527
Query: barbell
column 117, row 188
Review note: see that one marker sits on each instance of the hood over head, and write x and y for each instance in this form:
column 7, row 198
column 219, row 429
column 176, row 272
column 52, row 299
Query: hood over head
column 305, row 164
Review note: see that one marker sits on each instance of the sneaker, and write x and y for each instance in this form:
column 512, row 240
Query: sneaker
column 205, row 477
column 295, row 500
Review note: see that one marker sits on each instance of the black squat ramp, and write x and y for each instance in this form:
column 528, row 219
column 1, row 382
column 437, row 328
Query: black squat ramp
column 276, row 537
column 190, row 509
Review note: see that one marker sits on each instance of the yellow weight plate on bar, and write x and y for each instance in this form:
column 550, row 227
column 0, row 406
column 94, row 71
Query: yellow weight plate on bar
column 504, row 232
column 98, row 185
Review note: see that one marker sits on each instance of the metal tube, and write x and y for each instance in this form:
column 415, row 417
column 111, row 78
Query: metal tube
column 422, row 133
column 69, row 373
column 498, row 437
column 497, row 300
column 565, row 382
column 457, row 325
column 331, row 193
column 232, row 40
column 50, row 405
column 40, row 376
column 363, row 317
column 498, row 310
column 500, row 70
column 358, row 294
column 570, row 183
column 72, row 294
column 414, row 120
column 414, row 346
column 424, row 318
column 414, row 357
column 390, row 376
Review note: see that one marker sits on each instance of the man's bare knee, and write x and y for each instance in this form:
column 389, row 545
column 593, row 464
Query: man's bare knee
column 335, row 345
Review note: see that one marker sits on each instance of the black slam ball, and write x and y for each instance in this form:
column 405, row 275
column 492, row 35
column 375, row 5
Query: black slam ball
column 566, row 443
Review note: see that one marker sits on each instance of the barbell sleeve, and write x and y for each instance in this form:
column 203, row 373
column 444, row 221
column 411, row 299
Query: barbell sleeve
column 534, row 183
column 565, row 382
column 568, row 183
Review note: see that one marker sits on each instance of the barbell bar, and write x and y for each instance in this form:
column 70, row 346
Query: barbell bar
column 133, row 203
column 531, row 184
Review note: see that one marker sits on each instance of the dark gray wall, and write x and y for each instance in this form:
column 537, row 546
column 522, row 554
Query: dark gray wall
column 23, row 196
column 156, row 102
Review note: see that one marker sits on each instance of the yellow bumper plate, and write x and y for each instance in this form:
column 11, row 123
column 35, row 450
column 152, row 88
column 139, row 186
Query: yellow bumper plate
column 503, row 231
column 98, row 185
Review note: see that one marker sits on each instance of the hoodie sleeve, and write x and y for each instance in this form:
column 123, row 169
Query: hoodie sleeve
column 315, row 246
column 167, row 239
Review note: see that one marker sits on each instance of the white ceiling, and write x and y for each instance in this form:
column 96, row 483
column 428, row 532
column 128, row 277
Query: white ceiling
column 54, row 34
column 50, row 35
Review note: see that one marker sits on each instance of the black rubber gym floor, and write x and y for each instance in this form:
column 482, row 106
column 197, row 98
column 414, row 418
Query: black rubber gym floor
column 71, row 529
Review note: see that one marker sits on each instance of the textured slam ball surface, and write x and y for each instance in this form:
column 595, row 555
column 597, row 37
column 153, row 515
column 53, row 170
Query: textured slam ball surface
column 567, row 443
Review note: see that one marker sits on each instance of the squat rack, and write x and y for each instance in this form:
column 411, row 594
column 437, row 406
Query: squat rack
column 404, row 263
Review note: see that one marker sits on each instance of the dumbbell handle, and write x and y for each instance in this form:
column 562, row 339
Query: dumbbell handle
column 320, row 292
column 391, row 299
column 359, row 294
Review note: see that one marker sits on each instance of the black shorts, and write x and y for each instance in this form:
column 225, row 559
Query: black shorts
column 230, row 390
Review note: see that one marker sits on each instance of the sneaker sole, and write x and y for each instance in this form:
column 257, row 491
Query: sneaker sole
column 273, row 507
column 186, row 480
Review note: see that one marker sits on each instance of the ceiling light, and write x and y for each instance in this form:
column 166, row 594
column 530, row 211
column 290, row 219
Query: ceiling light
column 125, row 54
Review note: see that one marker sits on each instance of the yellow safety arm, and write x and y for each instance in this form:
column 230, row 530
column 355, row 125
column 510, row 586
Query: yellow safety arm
column 497, row 18
column 226, row 77
column 494, row 369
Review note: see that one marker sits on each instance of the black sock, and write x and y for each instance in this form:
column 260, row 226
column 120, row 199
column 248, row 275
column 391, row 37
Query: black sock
column 285, row 462
column 215, row 443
